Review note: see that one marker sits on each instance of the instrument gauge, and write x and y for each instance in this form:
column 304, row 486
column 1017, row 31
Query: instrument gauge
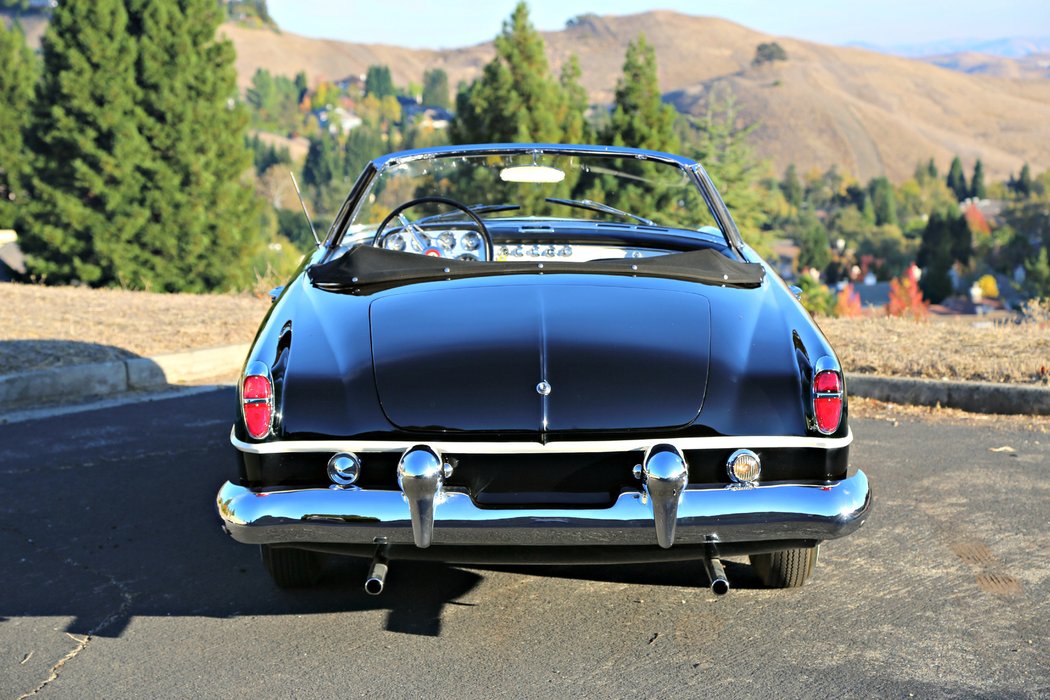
column 395, row 242
column 471, row 241
column 467, row 256
column 448, row 239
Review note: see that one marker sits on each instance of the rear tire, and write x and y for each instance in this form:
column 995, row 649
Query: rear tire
column 788, row 568
column 292, row 568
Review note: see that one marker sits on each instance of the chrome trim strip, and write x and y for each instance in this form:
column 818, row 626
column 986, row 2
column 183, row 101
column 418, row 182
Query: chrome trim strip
column 566, row 447
column 705, row 515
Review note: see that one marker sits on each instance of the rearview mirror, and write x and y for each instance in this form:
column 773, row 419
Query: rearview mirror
column 531, row 173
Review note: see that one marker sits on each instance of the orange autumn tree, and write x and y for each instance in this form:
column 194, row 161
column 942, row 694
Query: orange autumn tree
column 847, row 303
column 906, row 299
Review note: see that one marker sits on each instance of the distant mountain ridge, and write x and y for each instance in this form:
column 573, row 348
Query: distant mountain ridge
column 1005, row 47
column 866, row 113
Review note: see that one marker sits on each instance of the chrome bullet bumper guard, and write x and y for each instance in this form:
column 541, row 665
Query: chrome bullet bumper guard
column 665, row 511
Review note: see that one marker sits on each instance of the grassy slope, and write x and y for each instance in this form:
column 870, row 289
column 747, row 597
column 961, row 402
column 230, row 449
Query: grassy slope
column 868, row 113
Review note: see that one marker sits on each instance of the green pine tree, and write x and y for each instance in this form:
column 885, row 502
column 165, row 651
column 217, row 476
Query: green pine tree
column 205, row 222
column 516, row 99
column 323, row 172
column 883, row 200
column 935, row 257
column 791, row 186
column 977, row 187
column 574, row 117
column 1037, row 275
column 363, row 144
column 378, row 82
column 90, row 162
column 640, row 119
column 1023, row 185
column 812, row 239
column 720, row 141
column 957, row 179
column 435, row 88
column 16, row 92
column 931, row 169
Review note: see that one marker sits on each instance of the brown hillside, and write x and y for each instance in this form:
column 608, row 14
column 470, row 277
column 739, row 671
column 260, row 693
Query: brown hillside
column 865, row 112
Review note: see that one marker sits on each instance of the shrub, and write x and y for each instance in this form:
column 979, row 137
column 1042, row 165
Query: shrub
column 906, row 299
column 847, row 303
column 989, row 287
column 816, row 298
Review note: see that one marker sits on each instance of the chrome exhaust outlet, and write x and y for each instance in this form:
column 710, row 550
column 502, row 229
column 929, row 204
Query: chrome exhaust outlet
column 664, row 476
column 717, row 576
column 377, row 573
column 421, row 474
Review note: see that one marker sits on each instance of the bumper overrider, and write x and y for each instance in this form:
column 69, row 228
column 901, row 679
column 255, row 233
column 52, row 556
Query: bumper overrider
column 664, row 511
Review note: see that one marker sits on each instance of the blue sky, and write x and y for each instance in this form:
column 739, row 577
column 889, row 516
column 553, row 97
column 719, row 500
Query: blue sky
column 451, row 23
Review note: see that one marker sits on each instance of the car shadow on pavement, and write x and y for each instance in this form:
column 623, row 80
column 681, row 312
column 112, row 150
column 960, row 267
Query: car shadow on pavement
column 676, row 574
column 109, row 515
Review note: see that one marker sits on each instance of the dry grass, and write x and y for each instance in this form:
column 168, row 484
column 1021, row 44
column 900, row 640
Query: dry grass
column 959, row 348
column 43, row 327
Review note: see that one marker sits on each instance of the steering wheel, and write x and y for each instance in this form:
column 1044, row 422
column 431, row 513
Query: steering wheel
column 425, row 240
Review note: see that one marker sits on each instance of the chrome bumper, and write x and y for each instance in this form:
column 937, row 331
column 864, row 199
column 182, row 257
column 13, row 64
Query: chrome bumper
column 704, row 515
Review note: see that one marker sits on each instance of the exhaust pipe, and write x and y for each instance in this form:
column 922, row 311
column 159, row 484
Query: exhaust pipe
column 717, row 576
column 377, row 573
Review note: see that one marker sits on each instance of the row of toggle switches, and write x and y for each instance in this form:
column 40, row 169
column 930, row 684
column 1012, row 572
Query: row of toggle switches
column 534, row 251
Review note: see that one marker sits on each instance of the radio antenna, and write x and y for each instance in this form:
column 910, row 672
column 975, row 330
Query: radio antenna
column 305, row 212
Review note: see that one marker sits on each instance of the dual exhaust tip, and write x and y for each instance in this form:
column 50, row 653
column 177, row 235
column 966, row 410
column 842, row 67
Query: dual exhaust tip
column 377, row 571
column 717, row 576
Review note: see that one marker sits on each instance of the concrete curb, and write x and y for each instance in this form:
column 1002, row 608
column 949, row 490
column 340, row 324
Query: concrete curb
column 75, row 382
column 976, row 397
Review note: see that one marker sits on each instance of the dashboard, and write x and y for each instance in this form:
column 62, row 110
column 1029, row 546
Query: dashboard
column 467, row 244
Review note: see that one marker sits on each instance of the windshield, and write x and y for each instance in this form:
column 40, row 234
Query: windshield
column 627, row 190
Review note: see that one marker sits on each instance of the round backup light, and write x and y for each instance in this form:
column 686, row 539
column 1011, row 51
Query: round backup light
column 344, row 468
column 744, row 467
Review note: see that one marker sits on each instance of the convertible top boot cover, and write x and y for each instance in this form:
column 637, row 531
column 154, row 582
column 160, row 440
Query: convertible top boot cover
column 541, row 360
column 364, row 269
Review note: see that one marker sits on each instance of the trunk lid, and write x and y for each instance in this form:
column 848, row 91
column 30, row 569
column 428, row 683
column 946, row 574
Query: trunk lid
column 471, row 358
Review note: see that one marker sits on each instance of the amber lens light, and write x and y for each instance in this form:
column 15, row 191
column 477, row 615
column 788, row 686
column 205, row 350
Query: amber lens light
column 258, row 405
column 827, row 400
column 744, row 467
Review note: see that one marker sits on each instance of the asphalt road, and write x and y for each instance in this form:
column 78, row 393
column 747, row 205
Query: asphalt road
column 115, row 581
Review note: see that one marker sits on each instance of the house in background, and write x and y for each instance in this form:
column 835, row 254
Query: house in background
column 12, row 262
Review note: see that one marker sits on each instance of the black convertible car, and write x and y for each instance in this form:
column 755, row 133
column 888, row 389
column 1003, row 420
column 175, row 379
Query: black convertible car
column 540, row 354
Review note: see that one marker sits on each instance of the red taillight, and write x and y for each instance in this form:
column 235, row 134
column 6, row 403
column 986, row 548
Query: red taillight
column 827, row 401
column 257, row 397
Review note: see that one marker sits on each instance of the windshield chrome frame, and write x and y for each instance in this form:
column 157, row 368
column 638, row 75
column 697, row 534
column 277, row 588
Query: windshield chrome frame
column 694, row 169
